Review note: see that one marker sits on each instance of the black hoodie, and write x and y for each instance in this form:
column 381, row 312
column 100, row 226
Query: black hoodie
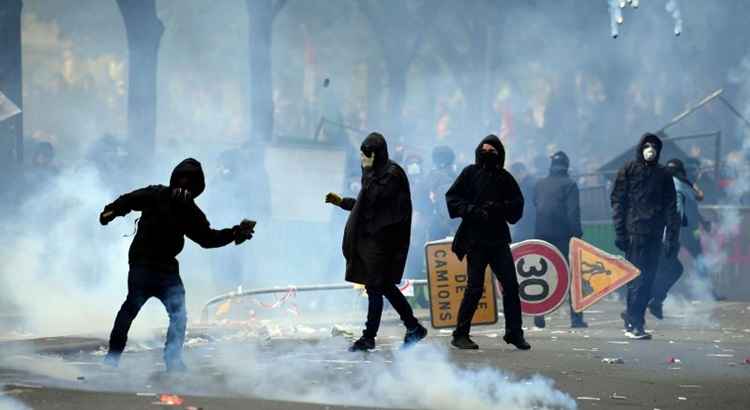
column 488, row 187
column 165, row 220
column 643, row 198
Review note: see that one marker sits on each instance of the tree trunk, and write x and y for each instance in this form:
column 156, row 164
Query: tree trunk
column 11, row 84
column 260, row 17
column 144, row 31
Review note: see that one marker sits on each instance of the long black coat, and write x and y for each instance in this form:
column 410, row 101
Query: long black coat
column 557, row 204
column 495, row 190
column 644, row 201
column 377, row 234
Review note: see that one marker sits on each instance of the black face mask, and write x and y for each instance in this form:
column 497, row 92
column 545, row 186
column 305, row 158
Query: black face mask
column 488, row 159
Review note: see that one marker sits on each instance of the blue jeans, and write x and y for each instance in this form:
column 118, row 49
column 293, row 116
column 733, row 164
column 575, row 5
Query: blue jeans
column 144, row 283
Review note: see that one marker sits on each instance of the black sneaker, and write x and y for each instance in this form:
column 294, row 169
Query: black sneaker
column 539, row 322
column 656, row 310
column 414, row 335
column 176, row 366
column 518, row 341
column 638, row 334
column 363, row 344
column 463, row 342
column 625, row 318
column 578, row 324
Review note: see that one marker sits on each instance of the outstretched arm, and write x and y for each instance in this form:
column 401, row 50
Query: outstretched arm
column 199, row 230
column 137, row 200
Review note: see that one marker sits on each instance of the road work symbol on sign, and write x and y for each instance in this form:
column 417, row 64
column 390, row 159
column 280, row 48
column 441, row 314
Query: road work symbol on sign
column 543, row 276
column 447, row 280
column 596, row 274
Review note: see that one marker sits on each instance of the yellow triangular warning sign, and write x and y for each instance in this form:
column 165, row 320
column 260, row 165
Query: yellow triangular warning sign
column 595, row 274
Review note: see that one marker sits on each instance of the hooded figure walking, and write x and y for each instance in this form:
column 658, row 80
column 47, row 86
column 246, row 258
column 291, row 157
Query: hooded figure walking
column 644, row 205
column 487, row 198
column 376, row 239
column 168, row 213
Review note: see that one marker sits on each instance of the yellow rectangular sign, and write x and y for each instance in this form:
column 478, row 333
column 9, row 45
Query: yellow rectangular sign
column 447, row 280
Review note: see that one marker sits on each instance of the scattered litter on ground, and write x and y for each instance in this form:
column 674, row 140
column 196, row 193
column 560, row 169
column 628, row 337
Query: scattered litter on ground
column 681, row 398
column 146, row 394
column 587, row 398
column 616, row 396
column 690, row 386
column 618, row 342
column 719, row 355
column 673, row 360
column 613, row 360
column 492, row 335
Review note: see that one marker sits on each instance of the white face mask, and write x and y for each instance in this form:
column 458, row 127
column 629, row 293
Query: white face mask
column 413, row 169
column 649, row 153
column 367, row 161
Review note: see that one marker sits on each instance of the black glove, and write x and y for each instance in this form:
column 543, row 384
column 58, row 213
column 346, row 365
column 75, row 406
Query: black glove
column 106, row 216
column 671, row 248
column 622, row 243
column 181, row 194
column 493, row 207
column 244, row 231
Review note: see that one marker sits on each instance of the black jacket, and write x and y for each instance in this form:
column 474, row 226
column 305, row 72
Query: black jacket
column 643, row 198
column 558, row 212
column 380, row 219
column 492, row 189
column 165, row 220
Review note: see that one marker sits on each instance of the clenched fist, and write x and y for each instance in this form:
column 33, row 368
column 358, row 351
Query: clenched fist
column 332, row 198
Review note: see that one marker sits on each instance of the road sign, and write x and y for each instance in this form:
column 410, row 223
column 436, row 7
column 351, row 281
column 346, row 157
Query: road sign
column 543, row 276
column 447, row 280
column 596, row 274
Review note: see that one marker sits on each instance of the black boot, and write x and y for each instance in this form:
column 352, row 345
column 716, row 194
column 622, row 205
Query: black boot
column 656, row 309
column 414, row 335
column 363, row 344
column 463, row 342
column 516, row 340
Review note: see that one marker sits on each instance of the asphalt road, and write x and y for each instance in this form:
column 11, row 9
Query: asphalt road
column 697, row 360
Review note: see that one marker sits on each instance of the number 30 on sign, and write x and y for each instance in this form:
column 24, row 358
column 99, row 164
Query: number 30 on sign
column 543, row 276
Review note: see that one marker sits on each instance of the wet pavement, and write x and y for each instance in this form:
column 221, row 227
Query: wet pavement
column 698, row 359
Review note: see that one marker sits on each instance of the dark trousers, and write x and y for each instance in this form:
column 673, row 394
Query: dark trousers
column 644, row 253
column 375, row 296
column 497, row 255
column 143, row 284
column 670, row 270
column 563, row 245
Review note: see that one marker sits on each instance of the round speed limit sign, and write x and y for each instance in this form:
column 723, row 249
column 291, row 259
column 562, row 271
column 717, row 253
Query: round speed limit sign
column 543, row 276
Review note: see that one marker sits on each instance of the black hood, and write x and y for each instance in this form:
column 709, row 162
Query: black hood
column 495, row 142
column 648, row 137
column 191, row 169
column 375, row 142
column 559, row 163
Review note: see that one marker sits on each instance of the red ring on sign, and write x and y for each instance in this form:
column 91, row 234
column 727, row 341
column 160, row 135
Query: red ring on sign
column 552, row 254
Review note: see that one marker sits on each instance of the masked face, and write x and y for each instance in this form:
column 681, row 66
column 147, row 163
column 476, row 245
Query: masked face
column 649, row 152
column 413, row 169
column 367, row 161
column 488, row 155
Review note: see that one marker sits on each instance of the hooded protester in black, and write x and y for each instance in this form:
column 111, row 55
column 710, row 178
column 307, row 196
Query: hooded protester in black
column 558, row 215
column 167, row 214
column 376, row 238
column 645, row 214
column 487, row 198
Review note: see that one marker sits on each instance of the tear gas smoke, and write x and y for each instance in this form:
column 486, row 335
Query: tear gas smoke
column 673, row 8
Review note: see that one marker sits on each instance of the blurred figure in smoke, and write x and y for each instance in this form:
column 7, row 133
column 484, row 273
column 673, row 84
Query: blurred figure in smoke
column 111, row 159
column 376, row 239
column 439, row 181
column 524, row 228
column 644, row 205
column 420, row 212
column 168, row 213
column 670, row 268
column 558, row 216
column 486, row 197
column 43, row 167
